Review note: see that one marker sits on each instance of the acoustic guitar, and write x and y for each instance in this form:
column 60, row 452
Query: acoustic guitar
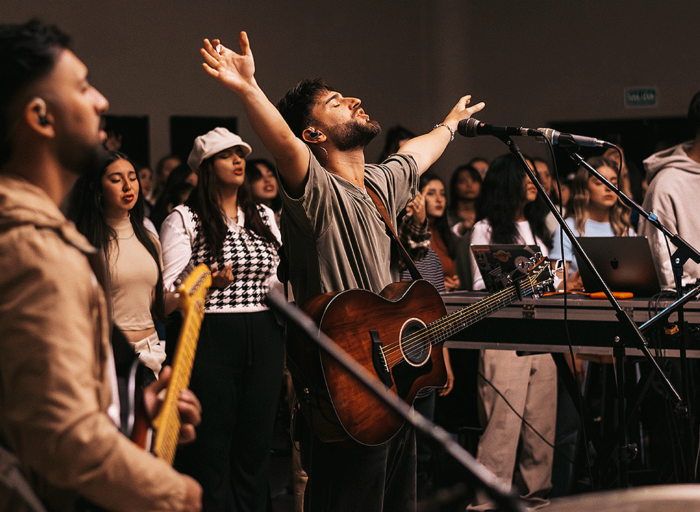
column 398, row 335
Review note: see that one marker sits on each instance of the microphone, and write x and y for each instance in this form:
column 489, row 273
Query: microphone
column 473, row 127
column 568, row 139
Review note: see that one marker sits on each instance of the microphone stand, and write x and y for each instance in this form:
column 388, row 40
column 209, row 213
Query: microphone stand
column 497, row 490
column 684, row 252
column 630, row 329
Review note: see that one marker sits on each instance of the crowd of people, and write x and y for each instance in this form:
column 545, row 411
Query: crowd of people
column 306, row 219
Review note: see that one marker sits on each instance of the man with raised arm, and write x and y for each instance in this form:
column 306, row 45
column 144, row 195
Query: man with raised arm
column 59, row 409
column 335, row 239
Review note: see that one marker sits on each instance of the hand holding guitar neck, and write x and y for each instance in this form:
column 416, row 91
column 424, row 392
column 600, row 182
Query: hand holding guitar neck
column 179, row 410
column 188, row 406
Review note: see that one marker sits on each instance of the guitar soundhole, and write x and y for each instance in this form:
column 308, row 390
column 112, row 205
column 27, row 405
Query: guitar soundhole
column 415, row 343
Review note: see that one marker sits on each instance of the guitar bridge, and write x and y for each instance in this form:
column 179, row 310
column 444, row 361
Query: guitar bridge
column 381, row 366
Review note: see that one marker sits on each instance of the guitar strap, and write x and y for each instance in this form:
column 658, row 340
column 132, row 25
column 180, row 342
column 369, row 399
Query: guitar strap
column 415, row 273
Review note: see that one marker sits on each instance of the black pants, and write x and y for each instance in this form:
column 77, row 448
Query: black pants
column 355, row 478
column 237, row 377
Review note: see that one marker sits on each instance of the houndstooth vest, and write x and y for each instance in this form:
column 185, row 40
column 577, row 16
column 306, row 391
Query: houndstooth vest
column 254, row 261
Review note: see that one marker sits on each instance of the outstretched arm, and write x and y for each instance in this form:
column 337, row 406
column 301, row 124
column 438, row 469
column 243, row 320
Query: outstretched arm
column 237, row 72
column 426, row 149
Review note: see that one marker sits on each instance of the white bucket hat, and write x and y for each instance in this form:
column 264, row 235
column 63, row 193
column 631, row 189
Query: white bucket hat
column 213, row 142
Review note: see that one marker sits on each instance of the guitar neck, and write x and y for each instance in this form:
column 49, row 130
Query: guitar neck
column 448, row 325
column 167, row 423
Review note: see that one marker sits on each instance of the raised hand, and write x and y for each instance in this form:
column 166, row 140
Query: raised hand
column 416, row 209
column 235, row 71
column 462, row 111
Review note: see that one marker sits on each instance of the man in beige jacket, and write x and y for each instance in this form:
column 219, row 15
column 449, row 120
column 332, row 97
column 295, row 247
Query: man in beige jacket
column 58, row 403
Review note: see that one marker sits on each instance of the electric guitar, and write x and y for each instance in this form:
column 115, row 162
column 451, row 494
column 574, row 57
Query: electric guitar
column 397, row 334
column 162, row 438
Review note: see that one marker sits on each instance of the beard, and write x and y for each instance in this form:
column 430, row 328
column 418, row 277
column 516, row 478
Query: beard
column 81, row 157
column 354, row 134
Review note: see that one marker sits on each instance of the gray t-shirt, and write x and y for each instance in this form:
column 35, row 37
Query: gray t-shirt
column 333, row 235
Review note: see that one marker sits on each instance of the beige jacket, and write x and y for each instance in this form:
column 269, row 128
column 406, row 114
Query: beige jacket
column 55, row 365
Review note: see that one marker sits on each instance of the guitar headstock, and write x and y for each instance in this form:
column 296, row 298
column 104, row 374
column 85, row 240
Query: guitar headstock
column 195, row 286
column 541, row 275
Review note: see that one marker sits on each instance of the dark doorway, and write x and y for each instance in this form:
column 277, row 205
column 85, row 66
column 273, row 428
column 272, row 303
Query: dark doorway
column 134, row 133
column 184, row 129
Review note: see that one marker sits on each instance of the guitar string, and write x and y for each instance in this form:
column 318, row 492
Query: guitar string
column 449, row 319
column 414, row 343
column 503, row 296
column 451, row 323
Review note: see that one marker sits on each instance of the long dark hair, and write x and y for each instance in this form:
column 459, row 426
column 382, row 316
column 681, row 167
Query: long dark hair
column 501, row 198
column 86, row 210
column 175, row 186
column 440, row 224
column 204, row 201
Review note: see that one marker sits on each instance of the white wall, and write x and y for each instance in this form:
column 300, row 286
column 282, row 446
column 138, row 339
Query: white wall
column 532, row 62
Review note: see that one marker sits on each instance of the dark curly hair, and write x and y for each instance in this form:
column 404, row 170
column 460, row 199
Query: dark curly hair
column 297, row 104
column 28, row 52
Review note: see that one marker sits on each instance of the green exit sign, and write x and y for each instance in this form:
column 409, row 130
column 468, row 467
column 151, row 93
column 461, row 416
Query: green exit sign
column 640, row 97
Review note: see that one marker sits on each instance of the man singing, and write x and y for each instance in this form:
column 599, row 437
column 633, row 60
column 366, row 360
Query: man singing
column 335, row 239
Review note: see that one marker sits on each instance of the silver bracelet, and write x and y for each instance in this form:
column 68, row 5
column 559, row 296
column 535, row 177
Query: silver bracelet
column 452, row 132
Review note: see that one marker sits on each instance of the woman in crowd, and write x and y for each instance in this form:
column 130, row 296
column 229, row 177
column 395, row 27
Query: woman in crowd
column 262, row 177
column 443, row 241
column 431, row 269
column 181, row 182
column 163, row 169
column 481, row 164
column 597, row 212
column 238, row 367
column 529, row 383
column 633, row 183
column 108, row 208
column 146, row 181
column 465, row 185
